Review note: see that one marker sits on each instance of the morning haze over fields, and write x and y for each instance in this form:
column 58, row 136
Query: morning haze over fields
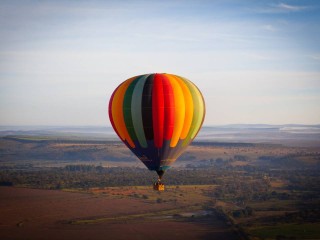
column 251, row 173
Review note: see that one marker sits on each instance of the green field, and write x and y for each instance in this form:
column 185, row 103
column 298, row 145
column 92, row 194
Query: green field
column 295, row 231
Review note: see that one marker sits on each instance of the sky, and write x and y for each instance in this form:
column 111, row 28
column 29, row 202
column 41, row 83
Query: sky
column 255, row 61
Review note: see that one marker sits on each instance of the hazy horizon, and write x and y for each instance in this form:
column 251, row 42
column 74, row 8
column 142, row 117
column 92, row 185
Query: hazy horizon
column 289, row 135
column 213, row 125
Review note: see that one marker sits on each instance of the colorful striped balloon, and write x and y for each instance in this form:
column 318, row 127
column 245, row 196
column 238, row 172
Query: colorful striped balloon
column 157, row 116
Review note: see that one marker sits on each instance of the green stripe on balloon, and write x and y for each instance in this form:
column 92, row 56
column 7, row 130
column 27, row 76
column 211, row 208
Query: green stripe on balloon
column 127, row 109
column 136, row 110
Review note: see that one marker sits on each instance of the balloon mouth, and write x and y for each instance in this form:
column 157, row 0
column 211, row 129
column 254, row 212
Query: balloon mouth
column 160, row 173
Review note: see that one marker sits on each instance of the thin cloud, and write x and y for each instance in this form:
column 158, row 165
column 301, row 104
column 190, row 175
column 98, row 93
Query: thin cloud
column 269, row 27
column 281, row 8
column 290, row 8
column 315, row 57
column 167, row 37
column 258, row 57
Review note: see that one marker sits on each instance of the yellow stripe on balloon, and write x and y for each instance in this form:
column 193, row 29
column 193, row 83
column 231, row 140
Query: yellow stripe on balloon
column 188, row 107
column 117, row 112
column 203, row 112
column 199, row 110
column 179, row 110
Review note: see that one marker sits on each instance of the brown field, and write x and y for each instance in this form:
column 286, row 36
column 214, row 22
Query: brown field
column 50, row 214
column 253, row 191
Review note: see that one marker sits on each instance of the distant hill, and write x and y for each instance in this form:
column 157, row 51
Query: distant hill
column 288, row 134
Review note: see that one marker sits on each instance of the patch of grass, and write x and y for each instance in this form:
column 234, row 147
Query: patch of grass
column 32, row 138
column 169, row 212
column 274, row 204
column 299, row 231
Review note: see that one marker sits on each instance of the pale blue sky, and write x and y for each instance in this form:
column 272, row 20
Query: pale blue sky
column 255, row 61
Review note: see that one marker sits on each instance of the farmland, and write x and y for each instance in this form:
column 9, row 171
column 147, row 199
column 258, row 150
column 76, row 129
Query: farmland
column 92, row 188
column 114, row 213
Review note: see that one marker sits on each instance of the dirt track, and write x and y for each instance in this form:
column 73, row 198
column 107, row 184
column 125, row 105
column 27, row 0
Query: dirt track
column 46, row 214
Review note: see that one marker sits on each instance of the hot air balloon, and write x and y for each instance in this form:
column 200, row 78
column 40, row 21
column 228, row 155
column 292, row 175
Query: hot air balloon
column 157, row 116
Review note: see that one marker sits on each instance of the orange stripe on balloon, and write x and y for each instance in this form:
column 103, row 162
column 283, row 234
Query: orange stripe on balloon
column 179, row 111
column 189, row 107
column 110, row 112
column 117, row 112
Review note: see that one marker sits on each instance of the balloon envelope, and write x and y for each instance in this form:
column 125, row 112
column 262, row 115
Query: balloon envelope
column 157, row 116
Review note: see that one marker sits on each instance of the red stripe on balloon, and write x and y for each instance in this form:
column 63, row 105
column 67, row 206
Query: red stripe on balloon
column 157, row 110
column 168, row 108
